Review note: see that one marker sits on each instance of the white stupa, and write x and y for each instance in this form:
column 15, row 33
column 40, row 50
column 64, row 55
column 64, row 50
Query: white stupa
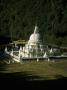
column 33, row 48
column 35, row 37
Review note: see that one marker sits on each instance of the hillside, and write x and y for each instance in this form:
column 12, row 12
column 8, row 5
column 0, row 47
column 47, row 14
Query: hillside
column 42, row 69
column 18, row 18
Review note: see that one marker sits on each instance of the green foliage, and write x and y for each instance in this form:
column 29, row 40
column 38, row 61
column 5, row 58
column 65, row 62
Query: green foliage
column 18, row 18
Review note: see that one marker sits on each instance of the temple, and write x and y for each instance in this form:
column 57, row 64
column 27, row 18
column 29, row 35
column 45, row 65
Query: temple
column 33, row 49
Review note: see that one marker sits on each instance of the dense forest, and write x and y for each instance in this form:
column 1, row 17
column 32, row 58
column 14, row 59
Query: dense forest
column 19, row 17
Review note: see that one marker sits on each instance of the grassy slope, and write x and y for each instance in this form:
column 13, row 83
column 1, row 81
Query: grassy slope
column 46, row 70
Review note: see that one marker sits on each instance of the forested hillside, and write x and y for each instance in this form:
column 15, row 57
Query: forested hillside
column 18, row 18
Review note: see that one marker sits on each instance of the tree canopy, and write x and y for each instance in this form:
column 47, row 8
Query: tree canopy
column 18, row 18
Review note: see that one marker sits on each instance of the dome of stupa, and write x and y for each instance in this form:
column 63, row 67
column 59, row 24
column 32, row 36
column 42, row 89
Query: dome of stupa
column 35, row 37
